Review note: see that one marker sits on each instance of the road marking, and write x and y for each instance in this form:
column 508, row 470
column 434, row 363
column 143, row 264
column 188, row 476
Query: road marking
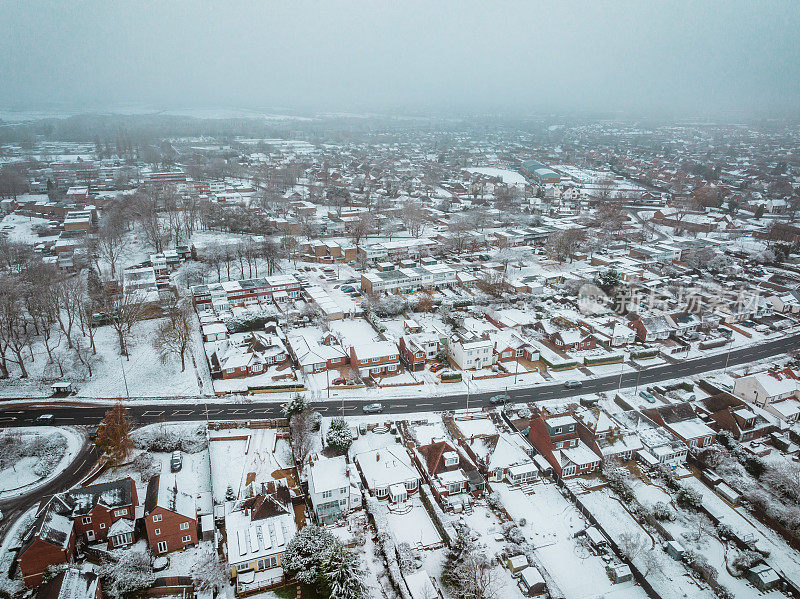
column 424, row 404
column 153, row 413
column 182, row 412
column 213, row 412
column 401, row 405
column 237, row 411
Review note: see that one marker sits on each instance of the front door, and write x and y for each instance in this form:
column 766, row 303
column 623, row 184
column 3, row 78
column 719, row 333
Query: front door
column 90, row 535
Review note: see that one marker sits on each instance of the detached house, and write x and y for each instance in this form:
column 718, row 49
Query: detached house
column 247, row 354
column 503, row 456
column 727, row 412
column 170, row 516
column 447, row 471
column 375, row 358
column 258, row 530
column 313, row 356
column 98, row 513
column 332, row 489
column 651, row 328
column 556, row 438
column 416, row 349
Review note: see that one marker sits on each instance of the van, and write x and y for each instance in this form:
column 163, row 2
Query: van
column 176, row 461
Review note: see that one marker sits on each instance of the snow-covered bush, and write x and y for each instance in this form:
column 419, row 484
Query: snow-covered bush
column 661, row 511
column 688, row 498
column 494, row 500
column 339, row 437
column 513, row 534
column 700, row 566
column 146, row 466
column 745, row 560
column 47, row 448
column 209, row 572
column 295, row 405
column 406, row 558
column 132, row 571
column 252, row 320
column 167, row 438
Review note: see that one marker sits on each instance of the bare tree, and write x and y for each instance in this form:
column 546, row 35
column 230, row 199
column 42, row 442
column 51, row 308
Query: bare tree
column 360, row 227
column 175, row 334
column 302, row 436
column 414, row 218
column 125, row 310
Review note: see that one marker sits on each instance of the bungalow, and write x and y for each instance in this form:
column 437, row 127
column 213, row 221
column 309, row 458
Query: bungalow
column 502, row 456
column 766, row 388
column 170, row 516
column 651, row 328
column 375, row 358
column 681, row 420
column 572, row 340
column 388, row 472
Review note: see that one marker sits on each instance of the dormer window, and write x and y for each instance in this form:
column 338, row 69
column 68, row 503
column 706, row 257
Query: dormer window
column 450, row 459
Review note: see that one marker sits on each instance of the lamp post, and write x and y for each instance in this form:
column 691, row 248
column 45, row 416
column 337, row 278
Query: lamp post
column 124, row 378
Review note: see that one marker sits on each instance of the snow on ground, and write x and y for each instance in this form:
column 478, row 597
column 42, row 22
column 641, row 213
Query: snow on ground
column 20, row 478
column 551, row 524
column 616, row 520
column 20, row 228
column 508, row 176
column 11, row 541
column 410, row 523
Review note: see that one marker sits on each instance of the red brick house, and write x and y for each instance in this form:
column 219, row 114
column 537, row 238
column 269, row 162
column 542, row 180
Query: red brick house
column 728, row 412
column 51, row 541
column 97, row 509
column 447, row 471
column 556, row 438
column 376, row 358
column 170, row 516
column 417, row 348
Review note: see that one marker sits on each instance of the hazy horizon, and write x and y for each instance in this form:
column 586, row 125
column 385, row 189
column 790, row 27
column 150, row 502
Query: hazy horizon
column 736, row 59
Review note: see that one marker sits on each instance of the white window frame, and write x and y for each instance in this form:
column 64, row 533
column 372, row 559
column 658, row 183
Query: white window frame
column 157, row 531
column 156, row 517
column 86, row 520
column 186, row 539
column 161, row 547
column 184, row 526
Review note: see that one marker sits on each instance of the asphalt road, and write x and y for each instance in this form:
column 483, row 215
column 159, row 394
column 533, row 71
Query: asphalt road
column 19, row 414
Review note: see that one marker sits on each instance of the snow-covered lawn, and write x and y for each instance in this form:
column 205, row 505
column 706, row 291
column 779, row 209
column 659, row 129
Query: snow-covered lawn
column 410, row 523
column 35, row 455
column 551, row 524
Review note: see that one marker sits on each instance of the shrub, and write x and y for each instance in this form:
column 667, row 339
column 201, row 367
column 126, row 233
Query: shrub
column 168, row 438
column 688, row 498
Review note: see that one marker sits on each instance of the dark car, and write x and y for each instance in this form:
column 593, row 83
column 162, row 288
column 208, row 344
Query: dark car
column 339, row 381
column 498, row 399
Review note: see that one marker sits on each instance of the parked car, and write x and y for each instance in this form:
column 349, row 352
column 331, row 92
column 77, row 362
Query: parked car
column 498, row 399
column 573, row 384
column 647, row 396
column 339, row 380
column 373, row 408
column 176, row 461
column 749, row 323
column 348, row 288
column 437, row 367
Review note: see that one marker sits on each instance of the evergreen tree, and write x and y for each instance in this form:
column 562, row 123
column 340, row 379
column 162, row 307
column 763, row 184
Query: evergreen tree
column 342, row 577
column 305, row 553
column 339, row 436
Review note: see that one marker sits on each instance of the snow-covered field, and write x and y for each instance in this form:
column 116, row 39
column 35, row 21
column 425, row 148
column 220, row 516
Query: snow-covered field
column 508, row 176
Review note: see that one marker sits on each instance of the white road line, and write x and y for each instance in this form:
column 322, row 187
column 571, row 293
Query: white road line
column 424, row 404
column 153, row 413
column 182, row 412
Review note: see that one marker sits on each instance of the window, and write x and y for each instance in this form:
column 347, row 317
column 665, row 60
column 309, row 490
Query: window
column 102, row 525
column 162, row 547
column 157, row 518
column 392, row 368
column 343, row 491
column 184, row 526
column 157, row 531
column 343, row 502
column 382, row 492
column 268, row 562
column 186, row 539
column 123, row 512
column 230, row 370
column 257, row 367
column 327, row 494
column 86, row 520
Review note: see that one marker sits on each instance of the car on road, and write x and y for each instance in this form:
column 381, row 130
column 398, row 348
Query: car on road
column 44, row 418
column 573, row 384
column 498, row 399
column 647, row 396
column 372, row 408
column 176, row 461
column 339, row 381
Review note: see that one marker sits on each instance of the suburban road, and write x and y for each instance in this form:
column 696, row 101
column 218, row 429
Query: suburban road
column 65, row 413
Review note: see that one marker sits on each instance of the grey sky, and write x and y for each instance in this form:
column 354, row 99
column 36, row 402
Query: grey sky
column 679, row 57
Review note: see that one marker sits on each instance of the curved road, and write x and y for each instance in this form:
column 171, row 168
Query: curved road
column 73, row 474
column 19, row 414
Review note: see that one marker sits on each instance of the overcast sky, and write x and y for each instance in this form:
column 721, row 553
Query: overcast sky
column 692, row 57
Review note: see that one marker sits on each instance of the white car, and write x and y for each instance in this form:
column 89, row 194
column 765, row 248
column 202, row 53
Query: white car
column 44, row 418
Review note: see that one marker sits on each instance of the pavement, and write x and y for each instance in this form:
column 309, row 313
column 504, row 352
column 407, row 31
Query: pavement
column 66, row 413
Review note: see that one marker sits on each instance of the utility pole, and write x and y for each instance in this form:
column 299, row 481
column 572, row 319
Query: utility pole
column 124, row 378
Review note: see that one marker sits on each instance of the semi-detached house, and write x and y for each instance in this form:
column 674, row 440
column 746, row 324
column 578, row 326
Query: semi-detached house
column 375, row 358
column 170, row 516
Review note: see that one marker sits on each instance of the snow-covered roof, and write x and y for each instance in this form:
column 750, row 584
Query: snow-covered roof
column 386, row 466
